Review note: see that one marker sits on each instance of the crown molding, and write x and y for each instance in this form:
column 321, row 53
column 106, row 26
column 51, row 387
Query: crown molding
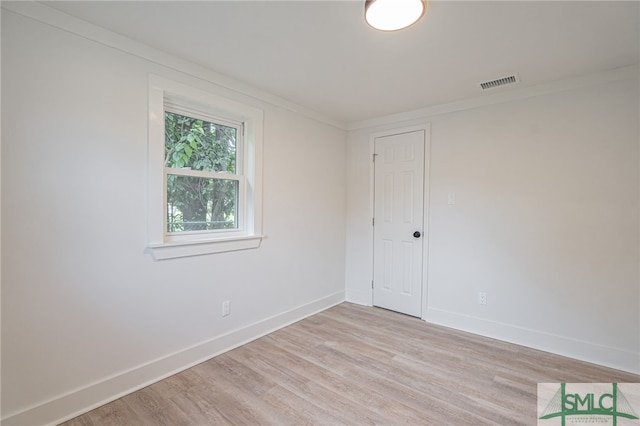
column 47, row 15
column 42, row 13
column 623, row 73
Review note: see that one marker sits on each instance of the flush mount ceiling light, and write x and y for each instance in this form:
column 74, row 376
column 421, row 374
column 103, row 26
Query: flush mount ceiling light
column 392, row 15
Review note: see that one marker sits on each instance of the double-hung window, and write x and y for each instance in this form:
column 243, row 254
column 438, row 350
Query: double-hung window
column 203, row 182
column 204, row 168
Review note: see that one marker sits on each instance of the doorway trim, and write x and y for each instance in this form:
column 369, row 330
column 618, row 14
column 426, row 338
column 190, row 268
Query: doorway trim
column 426, row 127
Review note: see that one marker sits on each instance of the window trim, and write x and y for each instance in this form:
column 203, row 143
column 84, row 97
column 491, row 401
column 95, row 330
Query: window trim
column 165, row 93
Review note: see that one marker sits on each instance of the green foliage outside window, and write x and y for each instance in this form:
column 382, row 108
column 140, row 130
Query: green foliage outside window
column 200, row 203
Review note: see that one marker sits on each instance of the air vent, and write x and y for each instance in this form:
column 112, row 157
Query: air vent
column 499, row 82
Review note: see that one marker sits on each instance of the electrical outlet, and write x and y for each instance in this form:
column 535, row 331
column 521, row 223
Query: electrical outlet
column 226, row 308
column 482, row 298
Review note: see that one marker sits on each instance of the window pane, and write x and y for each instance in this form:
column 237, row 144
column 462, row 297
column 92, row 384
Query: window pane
column 198, row 144
column 201, row 204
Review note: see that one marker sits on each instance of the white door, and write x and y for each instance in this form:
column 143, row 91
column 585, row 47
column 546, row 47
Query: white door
column 398, row 222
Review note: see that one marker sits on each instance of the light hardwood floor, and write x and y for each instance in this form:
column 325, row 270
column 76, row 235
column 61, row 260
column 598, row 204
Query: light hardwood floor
column 356, row 365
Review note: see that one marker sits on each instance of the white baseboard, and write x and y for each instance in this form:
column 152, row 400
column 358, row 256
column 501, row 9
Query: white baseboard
column 617, row 358
column 67, row 406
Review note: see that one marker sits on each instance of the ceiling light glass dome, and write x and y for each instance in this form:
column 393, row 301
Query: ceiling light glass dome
column 392, row 15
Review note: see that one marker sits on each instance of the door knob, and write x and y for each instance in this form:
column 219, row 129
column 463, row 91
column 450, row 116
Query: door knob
column 417, row 234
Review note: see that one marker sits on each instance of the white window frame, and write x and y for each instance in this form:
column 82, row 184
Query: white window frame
column 171, row 106
column 165, row 94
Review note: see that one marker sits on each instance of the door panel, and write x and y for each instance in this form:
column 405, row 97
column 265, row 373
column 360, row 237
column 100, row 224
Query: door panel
column 398, row 213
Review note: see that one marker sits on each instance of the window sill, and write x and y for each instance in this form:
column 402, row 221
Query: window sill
column 198, row 248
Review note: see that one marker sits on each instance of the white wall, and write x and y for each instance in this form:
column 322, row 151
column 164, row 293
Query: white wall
column 85, row 313
column 545, row 221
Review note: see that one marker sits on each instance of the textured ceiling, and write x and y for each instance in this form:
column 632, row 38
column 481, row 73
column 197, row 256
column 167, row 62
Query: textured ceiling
column 322, row 55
